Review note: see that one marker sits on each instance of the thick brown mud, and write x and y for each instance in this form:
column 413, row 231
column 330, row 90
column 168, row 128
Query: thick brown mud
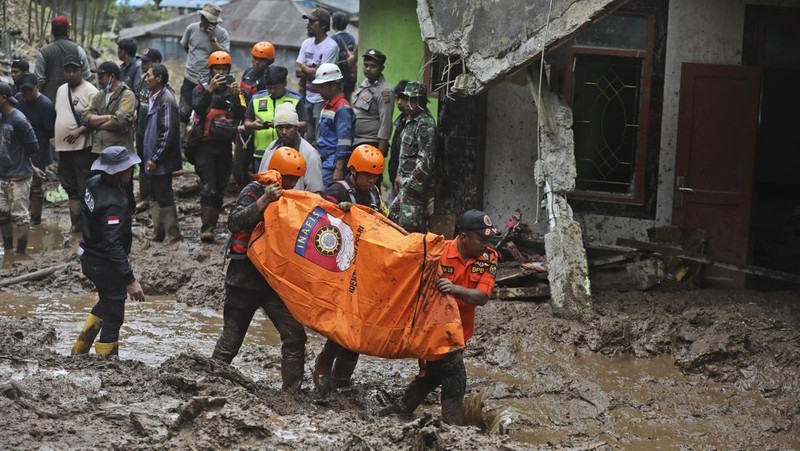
column 691, row 370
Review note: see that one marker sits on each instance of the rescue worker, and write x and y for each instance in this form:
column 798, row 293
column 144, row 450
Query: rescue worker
column 263, row 55
column 469, row 267
column 287, row 126
column 373, row 104
column 218, row 105
column 335, row 364
column 246, row 289
column 162, row 152
column 260, row 114
column 417, row 172
column 335, row 136
column 104, row 249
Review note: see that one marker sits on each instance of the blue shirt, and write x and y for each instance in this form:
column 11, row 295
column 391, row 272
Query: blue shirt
column 41, row 114
column 336, row 123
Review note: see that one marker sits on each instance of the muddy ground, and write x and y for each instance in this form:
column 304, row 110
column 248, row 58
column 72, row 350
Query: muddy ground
column 690, row 370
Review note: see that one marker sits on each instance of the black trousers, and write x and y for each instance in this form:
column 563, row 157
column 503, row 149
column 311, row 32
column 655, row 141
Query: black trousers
column 185, row 102
column 162, row 189
column 448, row 372
column 214, row 169
column 73, row 171
column 112, row 293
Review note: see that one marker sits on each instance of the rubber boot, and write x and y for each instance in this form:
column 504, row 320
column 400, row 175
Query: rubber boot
column 75, row 215
column 158, row 225
column 169, row 221
column 21, row 233
column 322, row 365
column 453, row 411
column 292, row 373
column 343, row 368
column 89, row 332
column 106, row 349
column 7, row 230
column 208, row 217
column 36, row 210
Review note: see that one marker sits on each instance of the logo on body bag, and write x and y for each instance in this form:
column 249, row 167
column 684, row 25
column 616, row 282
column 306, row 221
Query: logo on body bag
column 326, row 241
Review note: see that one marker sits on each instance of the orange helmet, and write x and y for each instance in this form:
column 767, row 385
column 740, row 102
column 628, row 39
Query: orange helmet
column 366, row 158
column 288, row 161
column 219, row 58
column 264, row 50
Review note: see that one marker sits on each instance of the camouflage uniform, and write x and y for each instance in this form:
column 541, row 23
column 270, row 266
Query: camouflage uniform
column 417, row 168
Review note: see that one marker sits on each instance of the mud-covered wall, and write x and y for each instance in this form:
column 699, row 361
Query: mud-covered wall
column 510, row 153
column 708, row 31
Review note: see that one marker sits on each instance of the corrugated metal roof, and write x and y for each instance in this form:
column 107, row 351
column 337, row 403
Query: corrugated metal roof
column 247, row 21
column 196, row 4
column 346, row 6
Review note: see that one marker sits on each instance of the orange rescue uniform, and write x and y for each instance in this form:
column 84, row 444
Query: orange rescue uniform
column 478, row 273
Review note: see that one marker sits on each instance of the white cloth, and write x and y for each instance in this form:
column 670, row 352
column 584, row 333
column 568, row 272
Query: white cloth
column 65, row 119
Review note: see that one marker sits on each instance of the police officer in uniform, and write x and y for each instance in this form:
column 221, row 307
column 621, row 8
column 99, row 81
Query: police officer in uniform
column 373, row 104
column 416, row 180
column 107, row 239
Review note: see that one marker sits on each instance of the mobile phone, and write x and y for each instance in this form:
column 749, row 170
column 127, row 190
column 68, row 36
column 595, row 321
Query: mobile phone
column 229, row 79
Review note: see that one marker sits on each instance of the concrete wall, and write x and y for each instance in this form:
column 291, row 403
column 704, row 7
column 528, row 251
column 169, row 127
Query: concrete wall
column 708, row 31
column 510, row 154
column 392, row 27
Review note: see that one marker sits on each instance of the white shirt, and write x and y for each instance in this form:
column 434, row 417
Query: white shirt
column 312, row 55
column 65, row 119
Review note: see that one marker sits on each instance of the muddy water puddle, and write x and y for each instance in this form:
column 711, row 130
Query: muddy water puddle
column 154, row 330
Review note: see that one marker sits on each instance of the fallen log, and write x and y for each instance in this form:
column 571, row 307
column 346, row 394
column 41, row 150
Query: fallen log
column 680, row 253
column 36, row 275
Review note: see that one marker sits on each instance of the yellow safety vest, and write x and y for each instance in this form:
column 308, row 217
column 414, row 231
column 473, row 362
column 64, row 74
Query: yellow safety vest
column 264, row 108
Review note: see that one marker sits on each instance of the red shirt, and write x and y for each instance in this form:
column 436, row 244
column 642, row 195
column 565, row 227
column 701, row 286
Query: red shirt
column 478, row 273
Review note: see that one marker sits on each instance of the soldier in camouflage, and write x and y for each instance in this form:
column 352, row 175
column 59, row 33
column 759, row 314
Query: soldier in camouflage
column 416, row 181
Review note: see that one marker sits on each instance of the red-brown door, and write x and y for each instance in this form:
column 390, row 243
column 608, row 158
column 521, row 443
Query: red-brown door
column 717, row 124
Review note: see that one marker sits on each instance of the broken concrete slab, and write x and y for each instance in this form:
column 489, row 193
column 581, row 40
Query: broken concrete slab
column 569, row 276
column 496, row 38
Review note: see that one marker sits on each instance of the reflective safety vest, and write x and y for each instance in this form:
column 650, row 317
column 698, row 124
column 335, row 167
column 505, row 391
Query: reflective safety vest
column 237, row 249
column 376, row 202
column 264, row 108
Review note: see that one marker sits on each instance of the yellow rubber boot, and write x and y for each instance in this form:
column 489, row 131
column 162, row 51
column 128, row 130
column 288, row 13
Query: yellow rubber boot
column 106, row 349
column 89, row 332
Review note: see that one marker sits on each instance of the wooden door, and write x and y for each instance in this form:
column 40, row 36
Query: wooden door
column 717, row 123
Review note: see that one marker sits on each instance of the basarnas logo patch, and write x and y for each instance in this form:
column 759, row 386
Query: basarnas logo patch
column 326, row 240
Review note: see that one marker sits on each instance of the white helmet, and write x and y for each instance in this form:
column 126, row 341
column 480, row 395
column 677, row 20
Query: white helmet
column 327, row 72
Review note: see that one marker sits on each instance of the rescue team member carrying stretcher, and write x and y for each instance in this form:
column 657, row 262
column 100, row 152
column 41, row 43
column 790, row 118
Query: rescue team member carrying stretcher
column 107, row 239
column 245, row 288
column 365, row 166
column 469, row 268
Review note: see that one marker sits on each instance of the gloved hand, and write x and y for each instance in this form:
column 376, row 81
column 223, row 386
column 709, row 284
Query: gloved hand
column 345, row 206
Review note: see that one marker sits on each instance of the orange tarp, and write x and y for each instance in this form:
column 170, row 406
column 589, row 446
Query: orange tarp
column 357, row 278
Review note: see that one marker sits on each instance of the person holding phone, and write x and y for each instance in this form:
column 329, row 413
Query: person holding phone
column 218, row 108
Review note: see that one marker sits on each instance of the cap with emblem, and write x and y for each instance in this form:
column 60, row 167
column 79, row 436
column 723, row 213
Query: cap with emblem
column 72, row 60
column 415, row 89
column 211, row 13
column 320, row 14
column 28, row 81
column 5, row 90
column 376, row 55
column 115, row 159
column 151, row 54
column 108, row 67
column 476, row 220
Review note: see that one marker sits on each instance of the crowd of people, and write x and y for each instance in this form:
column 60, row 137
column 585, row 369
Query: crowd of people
column 331, row 137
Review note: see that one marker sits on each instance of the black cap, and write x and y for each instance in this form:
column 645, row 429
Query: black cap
column 376, row 55
column 72, row 60
column 151, row 54
column 28, row 81
column 108, row 67
column 275, row 75
column 476, row 220
column 320, row 14
column 5, row 90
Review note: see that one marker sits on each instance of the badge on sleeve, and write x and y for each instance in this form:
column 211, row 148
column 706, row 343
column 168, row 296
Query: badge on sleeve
column 387, row 96
column 112, row 220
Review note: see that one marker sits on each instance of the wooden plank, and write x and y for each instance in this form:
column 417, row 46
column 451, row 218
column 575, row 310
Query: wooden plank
column 610, row 260
column 537, row 291
column 676, row 252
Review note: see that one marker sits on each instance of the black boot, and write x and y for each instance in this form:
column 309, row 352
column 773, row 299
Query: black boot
column 22, row 238
column 343, row 368
column 292, row 373
column 324, row 363
column 36, row 210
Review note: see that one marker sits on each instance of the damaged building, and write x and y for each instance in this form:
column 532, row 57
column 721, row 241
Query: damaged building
column 652, row 113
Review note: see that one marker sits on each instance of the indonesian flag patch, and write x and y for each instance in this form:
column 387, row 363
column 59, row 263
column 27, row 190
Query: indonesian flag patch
column 113, row 220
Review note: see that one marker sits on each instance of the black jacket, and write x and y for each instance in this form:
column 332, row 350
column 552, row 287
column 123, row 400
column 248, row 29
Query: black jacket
column 106, row 224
